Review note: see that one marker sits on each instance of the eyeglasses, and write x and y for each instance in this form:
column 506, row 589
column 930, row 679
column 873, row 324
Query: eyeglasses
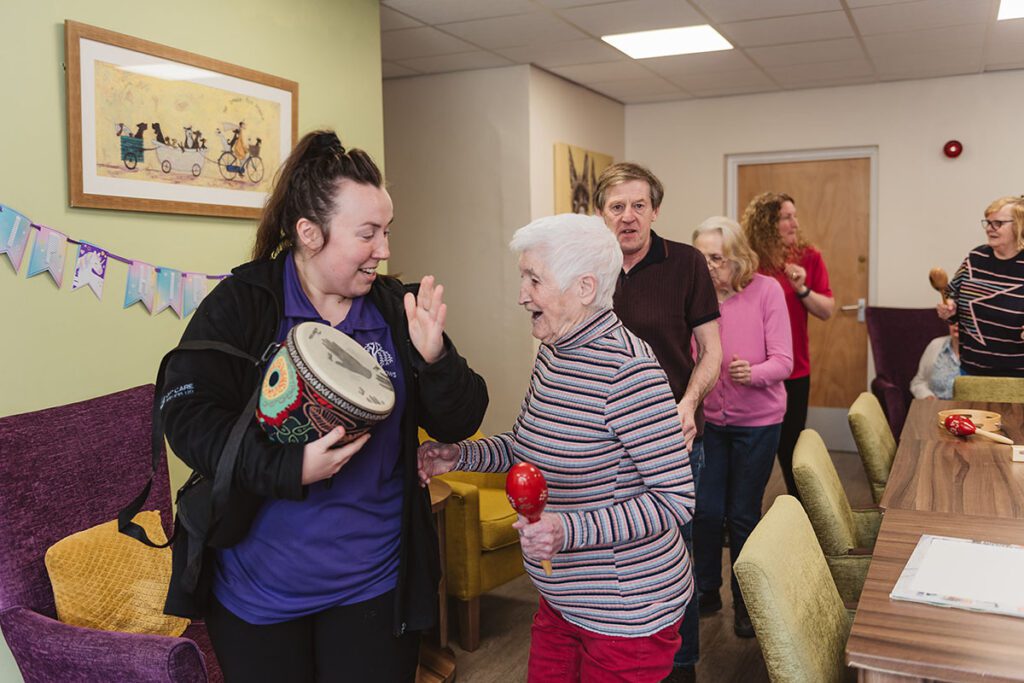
column 995, row 225
column 715, row 260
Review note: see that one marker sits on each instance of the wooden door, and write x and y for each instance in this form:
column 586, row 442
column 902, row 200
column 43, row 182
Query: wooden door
column 833, row 205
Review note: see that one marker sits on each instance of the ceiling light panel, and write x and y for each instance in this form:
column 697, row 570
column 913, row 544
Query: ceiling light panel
column 685, row 40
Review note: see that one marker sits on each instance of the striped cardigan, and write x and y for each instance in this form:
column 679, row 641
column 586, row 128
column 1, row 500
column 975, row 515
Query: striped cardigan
column 600, row 423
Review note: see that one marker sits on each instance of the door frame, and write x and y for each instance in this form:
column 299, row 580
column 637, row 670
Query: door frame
column 831, row 422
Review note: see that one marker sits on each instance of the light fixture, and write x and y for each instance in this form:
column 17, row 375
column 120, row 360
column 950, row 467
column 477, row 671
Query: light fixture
column 1010, row 9
column 663, row 42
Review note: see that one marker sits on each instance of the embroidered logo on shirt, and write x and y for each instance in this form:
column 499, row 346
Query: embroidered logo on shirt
column 381, row 355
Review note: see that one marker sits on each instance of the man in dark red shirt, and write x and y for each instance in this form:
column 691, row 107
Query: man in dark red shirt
column 666, row 297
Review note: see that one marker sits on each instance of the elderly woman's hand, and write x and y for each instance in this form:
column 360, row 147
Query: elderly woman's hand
column 435, row 458
column 543, row 539
column 739, row 370
column 426, row 314
column 946, row 309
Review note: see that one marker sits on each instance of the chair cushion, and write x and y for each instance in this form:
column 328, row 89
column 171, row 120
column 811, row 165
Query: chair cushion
column 105, row 580
column 496, row 519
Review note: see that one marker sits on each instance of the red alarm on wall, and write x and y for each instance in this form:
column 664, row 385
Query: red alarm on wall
column 953, row 149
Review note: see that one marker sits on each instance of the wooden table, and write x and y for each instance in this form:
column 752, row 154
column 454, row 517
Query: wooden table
column 936, row 471
column 901, row 641
column 437, row 660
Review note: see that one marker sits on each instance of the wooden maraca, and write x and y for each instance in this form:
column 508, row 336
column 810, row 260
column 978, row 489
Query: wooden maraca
column 961, row 425
column 940, row 281
column 528, row 494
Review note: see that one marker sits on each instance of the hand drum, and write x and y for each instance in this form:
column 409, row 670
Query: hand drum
column 528, row 493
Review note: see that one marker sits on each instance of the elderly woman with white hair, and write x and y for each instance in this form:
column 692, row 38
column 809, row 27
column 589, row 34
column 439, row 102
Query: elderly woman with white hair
column 600, row 423
column 743, row 411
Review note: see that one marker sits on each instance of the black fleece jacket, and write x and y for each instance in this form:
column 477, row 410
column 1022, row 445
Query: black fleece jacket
column 205, row 392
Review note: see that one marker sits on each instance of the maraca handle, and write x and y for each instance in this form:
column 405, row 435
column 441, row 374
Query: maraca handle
column 995, row 437
column 546, row 564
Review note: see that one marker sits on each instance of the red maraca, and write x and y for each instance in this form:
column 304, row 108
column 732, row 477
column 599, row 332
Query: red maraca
column 528, row 493
column 961, row 425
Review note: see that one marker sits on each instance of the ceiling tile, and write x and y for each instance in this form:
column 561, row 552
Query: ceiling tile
column 807, row 27
column 727, row 90
column 391, row 20
column 968, row 37
column 924, row 14
column 420, row 42
column 460, row 62
column 663, row 97
column 637, row 87
column 521, row 29
column 872, row 3
column 823, row 73
column 930, row 64
column 392, row 70
column 632, row 15
column 704, row 62
column 551, row 55
column 722, row 11
column 807, row 53
column 747, row 78
column 445, row 11
column 603, row 71
column 563, row 4
column 1006, row 43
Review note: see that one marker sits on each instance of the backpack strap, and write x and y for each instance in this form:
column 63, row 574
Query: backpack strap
column 228, row 455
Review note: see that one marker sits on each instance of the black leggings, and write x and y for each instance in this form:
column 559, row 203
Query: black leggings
column 347, row 643
column 798, row 392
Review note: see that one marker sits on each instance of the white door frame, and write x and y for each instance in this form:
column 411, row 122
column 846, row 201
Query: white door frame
column 831, row 422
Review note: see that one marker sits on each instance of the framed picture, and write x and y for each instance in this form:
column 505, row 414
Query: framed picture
column 154, row 128
column 576, row 174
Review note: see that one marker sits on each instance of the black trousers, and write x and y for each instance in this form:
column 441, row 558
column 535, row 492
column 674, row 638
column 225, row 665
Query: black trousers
column 347, row 643
column 798, row 392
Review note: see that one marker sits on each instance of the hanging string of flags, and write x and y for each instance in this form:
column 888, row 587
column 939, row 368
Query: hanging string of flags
column 156, row 287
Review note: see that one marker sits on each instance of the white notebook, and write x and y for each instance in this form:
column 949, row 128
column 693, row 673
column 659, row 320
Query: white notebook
column 966, row 574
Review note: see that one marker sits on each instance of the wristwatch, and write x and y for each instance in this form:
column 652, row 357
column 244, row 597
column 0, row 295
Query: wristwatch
column 804, row 294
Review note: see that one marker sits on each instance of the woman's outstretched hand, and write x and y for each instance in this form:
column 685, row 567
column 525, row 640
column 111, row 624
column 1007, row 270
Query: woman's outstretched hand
column 426, row 313
column 435, row 458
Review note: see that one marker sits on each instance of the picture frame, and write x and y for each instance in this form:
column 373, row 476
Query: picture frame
column 154, row 128
column 576, row 173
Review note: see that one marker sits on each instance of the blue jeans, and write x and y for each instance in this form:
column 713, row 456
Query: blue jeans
column 689, row 650
column 739, row 462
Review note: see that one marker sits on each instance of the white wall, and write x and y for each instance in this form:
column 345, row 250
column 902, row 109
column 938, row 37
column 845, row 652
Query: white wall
column 928, row 206
column 561, row 111
column 458, row 157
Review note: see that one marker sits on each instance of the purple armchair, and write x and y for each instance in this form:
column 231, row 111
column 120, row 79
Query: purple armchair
column 62, row 470
column 898, row 337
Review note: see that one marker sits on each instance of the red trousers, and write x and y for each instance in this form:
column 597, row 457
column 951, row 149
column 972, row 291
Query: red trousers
column 561, row 652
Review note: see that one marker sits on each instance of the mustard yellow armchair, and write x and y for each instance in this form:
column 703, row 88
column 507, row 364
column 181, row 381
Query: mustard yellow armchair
column 482, row 547
column 994, row 389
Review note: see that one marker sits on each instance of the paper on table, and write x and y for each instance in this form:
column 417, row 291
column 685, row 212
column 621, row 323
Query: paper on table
column 956, row 572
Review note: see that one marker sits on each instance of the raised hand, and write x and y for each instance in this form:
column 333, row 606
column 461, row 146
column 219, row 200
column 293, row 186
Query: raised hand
column 435, row 458
column 426, row 314
column 796, row 276
column 320, row 460
column 946, row 310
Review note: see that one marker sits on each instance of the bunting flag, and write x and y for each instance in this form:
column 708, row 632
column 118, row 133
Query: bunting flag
column 168, row 290
column 14, row 230
column 193, row 291
column 141, row 285
column 90, row 269
column 48, row 254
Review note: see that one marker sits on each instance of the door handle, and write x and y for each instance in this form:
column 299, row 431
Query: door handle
column 859, row 307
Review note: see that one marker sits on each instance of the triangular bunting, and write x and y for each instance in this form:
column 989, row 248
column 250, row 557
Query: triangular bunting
column 14, row 230
column 48, row 254
column 141, row 285
column 90, row 269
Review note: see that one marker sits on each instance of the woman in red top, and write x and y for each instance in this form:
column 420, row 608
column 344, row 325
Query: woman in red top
column 770, row 224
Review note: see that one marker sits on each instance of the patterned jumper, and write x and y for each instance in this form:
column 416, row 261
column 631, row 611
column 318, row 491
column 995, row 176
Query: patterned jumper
column 600, row 423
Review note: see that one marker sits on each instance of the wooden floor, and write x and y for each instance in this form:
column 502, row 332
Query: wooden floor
column 506, row 612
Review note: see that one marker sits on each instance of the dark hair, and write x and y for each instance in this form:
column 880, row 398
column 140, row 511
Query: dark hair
column 304, row 187
column 623, row 172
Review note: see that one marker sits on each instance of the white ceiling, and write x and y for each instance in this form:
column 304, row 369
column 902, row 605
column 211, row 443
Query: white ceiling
column 779, row 44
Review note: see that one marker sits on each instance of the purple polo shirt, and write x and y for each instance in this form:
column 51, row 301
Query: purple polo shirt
column 339, row 546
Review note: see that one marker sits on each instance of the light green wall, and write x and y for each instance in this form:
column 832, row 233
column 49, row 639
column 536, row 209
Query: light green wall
column 60, row 346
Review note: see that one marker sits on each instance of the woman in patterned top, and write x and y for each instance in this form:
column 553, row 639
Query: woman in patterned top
column 987, row 295
column 938, row 367
column 600, row 423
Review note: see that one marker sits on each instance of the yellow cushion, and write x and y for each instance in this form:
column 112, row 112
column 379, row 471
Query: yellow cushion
column 496, row 518
column 105, row 580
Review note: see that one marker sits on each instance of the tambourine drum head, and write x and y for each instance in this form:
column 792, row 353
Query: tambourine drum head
column 321, row 378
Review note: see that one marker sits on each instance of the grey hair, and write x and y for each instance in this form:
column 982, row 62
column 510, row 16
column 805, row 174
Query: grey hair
column 573, row 245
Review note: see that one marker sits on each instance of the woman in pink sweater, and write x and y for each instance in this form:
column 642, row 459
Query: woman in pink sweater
column 744, row 410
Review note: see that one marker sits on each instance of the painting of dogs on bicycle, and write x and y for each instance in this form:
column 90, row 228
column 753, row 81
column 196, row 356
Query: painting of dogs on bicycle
column 576, row 173
column 162, row 130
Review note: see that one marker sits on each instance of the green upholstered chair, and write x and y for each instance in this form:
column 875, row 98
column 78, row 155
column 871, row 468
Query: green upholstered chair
column 846, row 536
column 874, row 439
column 798, row 616
column 994, row 389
